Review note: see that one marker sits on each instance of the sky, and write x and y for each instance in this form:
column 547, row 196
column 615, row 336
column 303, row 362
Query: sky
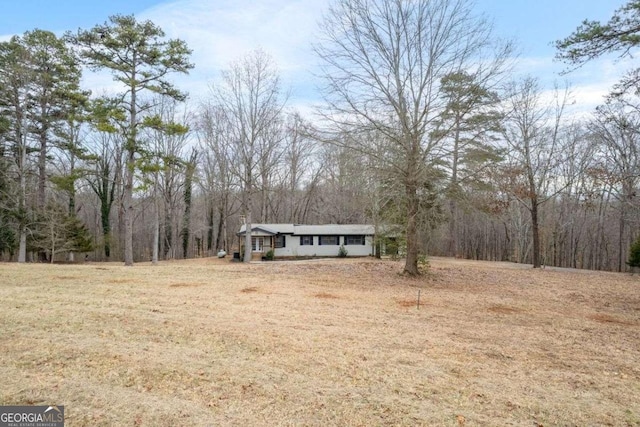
column 220, row 31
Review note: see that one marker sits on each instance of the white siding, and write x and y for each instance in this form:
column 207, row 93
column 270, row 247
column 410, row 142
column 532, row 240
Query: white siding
column 360, row 250
column 292, row 233
column 293, row 248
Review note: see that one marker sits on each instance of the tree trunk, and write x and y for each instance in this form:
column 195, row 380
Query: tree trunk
column 188, row 181
column 169, row 227
column 621, row 235
column 130, row 170
column 72, row 196
column 210, row 213
column 42, row 160
column 453, row 193
column 263, row 200
column 42, row 172
column 105, row 210
column 22, row 202
column 219, row 237
column 156, row 229
column 413, row 205
column 248, row 229
column 127, row 204
column 535, row 229
column 411, row 263
column 247, row 235
column 453, row 228
column 22, row 249
column 169, row 232
column 52, row 228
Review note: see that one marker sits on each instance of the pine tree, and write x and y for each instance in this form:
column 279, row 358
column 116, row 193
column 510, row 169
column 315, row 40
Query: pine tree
column 593, row 39
column 137, row 56
column 8, row 241
column 634, row 254
column 469, row 125
column 39, row 76
column 56, row 231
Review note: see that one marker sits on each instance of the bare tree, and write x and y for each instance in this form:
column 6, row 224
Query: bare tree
column 383, row 63
column 218, row 156
column 298, row 157
column 616, row 127
column 168, row 132
column 188, row 201
column 343, row 185
column 568, row 219
column 250, row 98
column 537, row 147
column 270, row 153
column 105, row 164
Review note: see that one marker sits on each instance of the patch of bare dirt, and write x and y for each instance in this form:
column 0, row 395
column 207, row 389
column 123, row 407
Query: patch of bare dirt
column 185, row 285
column 408, row 303
column 123, row 281
column 325, row 295
column 607, row 318
column 503, row 309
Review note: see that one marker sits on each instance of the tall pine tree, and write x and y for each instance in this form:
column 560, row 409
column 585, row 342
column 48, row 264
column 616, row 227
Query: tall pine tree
column 137, row 56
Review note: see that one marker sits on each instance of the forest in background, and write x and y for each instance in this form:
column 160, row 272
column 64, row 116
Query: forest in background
column 423, row 127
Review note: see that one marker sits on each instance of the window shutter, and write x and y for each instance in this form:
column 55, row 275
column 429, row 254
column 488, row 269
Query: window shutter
column 337, row 240
column 284, row 241
column 301, row 240
column 364, row 240
column 319, row 240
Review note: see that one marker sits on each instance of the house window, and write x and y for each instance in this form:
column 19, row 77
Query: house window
column 306, row 240
column 279, row 241
column 354, row 240
column 329, row 240
column 257, row 244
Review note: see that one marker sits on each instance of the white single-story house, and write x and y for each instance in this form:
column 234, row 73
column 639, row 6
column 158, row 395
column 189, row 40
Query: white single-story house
column 294, row 240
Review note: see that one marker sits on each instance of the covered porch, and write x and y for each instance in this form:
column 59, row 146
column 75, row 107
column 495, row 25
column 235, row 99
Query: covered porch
column 262, row 241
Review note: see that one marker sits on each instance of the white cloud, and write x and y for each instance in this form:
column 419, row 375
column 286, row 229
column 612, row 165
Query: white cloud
column 589, row 84
column 222, row 31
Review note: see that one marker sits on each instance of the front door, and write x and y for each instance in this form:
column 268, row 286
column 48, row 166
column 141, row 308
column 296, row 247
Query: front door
column 257, row 244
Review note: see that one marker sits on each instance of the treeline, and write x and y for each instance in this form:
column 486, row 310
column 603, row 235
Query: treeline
column 74, row 162
column 464, row 160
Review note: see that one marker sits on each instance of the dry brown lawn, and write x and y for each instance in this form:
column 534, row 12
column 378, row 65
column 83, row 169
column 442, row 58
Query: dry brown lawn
column 318, row 343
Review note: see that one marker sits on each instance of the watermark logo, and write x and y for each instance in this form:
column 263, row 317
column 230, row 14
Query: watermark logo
column 31, row 416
